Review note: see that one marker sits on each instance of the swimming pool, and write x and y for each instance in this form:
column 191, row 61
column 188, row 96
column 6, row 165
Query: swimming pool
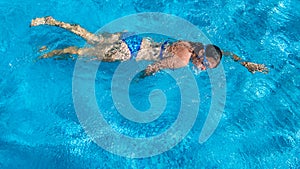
column 259, row 127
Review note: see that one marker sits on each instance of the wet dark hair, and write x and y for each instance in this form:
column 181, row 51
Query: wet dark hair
column 210, row 51
column 214, row 52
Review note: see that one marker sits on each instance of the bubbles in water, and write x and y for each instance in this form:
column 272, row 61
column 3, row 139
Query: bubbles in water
column 196, row 71
column 258, row 88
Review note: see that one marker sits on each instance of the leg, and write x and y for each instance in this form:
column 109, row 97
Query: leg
column 59, row 52
column 81, row 52
column 74, row 28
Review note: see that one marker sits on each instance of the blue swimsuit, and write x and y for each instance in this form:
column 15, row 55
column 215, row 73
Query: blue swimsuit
column 134, row 44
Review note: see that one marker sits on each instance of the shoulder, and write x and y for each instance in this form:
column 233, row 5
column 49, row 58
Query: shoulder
column 181, row 46
column 182, row 50
column 185, row 44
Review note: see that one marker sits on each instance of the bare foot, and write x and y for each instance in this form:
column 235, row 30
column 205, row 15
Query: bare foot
column 43, row 48
column 41, row 21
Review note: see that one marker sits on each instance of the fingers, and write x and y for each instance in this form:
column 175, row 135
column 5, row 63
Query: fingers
column 264, row 69
column 39, row 58
column 254, row 67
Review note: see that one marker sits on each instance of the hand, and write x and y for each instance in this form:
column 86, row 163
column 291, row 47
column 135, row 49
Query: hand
column 144, row 74
column 253, row 67
column 140, row 76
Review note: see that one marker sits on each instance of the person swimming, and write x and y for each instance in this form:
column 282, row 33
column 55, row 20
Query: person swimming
column 123, row 46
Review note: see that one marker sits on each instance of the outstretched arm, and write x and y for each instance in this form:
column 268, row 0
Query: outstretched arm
column 74, row 28
column 252, row 67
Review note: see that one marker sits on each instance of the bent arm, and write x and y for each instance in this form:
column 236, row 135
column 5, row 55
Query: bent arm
column 167, row 63
column 181, row 55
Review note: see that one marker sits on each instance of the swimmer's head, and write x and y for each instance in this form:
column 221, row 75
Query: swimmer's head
column 206, row 56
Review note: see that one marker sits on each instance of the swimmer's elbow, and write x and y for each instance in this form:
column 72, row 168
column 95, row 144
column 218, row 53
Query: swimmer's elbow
column 167, row 63
column 151, row 69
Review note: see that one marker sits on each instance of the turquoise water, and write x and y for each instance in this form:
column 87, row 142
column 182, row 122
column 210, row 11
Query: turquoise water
column 259, row 127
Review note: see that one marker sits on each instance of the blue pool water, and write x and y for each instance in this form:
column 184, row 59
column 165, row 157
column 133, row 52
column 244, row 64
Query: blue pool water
column 260, row 126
